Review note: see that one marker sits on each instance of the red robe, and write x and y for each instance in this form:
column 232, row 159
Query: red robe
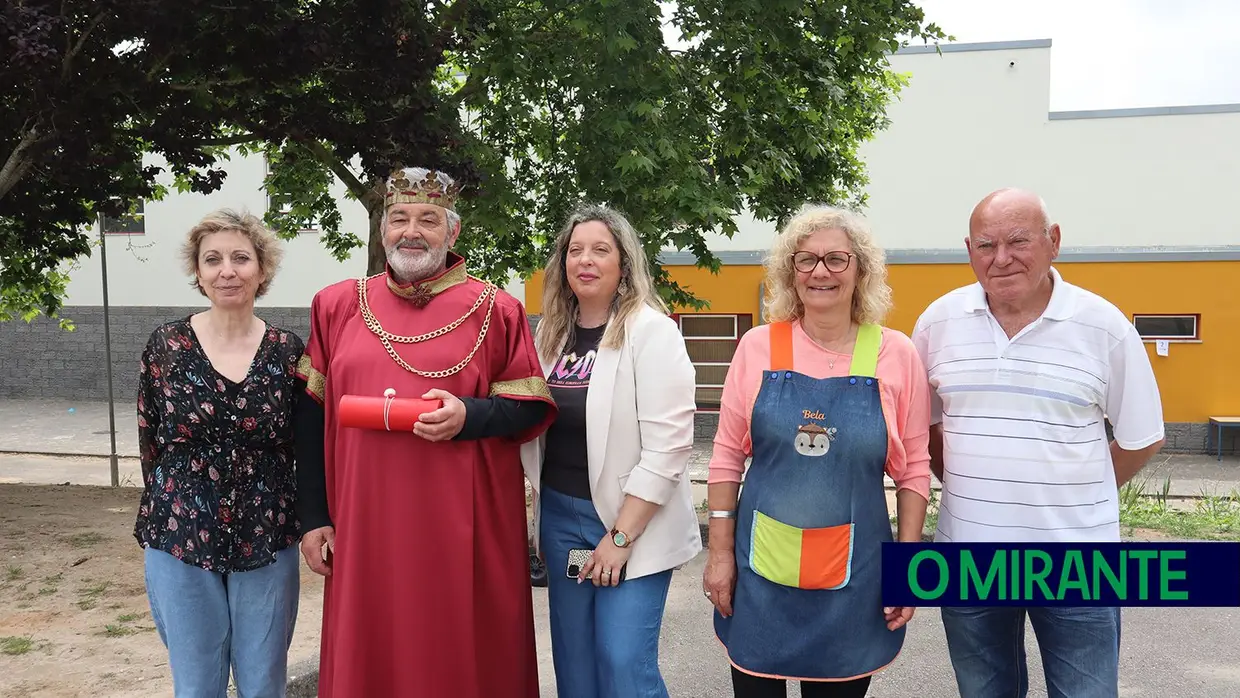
column 429, row 594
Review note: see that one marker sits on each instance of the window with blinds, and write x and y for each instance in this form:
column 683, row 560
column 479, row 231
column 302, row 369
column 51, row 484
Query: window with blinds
column 711, row 340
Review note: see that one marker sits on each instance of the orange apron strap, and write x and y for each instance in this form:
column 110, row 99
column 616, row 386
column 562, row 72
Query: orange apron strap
column 781, row 346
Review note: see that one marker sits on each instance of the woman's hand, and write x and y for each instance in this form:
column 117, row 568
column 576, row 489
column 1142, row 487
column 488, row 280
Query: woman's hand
column 719, row 580
column 898, row 616
column 605, row 563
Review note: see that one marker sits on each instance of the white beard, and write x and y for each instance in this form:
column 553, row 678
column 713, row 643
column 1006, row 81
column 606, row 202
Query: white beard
column 413, row 266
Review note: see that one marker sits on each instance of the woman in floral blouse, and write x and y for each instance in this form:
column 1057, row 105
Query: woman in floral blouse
column 216, row 399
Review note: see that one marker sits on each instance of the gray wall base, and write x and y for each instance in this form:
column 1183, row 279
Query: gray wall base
column 1187, row 437
column 40, row 360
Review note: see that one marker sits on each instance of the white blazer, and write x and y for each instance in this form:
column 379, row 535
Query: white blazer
column 639, row 436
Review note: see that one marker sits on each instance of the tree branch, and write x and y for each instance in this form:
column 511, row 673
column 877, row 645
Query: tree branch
column 77, row 48
column 367, row 195
column 473, row 85
column 209, row 84
column 451, row 18
column 230, row 140
column 20, row 160
column 158, row 65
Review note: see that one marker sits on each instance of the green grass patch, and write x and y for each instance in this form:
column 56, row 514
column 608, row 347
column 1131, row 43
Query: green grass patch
column 88, row 597
column 84, row 540
column 16, row 645
column 1206, row 517
column 124, row 626
column 95, row 590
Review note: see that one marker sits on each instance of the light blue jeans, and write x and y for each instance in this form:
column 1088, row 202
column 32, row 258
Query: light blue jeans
column 1079, row 648
column 604, row 640
column 212, row 622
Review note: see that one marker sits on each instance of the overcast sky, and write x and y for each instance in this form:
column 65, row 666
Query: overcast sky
column 1112, row 54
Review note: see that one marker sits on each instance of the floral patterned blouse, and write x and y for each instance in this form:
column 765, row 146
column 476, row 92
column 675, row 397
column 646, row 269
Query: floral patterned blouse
column 217, row 456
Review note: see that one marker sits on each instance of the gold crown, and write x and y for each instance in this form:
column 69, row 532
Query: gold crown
column 428, row 190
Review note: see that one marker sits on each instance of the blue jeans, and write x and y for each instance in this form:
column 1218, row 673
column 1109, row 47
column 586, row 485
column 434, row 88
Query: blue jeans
column 1079, row 647
column 212, row 622
column 604, row 640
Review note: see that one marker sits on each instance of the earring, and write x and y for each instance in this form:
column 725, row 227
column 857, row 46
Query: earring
column 623, row 288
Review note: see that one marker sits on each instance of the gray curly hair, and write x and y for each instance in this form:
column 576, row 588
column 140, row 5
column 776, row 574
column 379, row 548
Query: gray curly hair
column 872, row 297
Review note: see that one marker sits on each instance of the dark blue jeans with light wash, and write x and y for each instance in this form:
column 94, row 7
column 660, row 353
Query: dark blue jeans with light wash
column 1079, row 648
column 213, row 622
column 604, row 640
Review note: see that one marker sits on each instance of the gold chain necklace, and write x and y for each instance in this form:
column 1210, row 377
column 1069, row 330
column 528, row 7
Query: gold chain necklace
column 489, row 291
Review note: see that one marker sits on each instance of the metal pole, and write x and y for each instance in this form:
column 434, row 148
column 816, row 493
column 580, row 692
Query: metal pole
column 107, row 350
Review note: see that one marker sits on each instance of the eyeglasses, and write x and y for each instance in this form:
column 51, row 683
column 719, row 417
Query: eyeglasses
column 836, row 262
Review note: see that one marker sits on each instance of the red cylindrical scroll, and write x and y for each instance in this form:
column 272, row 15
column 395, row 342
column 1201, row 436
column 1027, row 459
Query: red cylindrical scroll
column 384, row 413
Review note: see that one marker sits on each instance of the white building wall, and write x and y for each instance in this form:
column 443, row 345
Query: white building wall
column 146, row 270
column 972, row 119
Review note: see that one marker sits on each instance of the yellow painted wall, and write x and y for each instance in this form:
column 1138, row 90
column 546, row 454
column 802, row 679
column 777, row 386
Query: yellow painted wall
column 1196, row 380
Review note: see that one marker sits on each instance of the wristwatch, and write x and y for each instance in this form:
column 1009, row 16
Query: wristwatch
column 620, row 539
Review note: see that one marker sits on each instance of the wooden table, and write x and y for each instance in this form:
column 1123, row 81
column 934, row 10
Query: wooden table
column 1220, row 423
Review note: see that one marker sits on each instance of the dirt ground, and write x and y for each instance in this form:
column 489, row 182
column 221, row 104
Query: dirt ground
column 74, row 618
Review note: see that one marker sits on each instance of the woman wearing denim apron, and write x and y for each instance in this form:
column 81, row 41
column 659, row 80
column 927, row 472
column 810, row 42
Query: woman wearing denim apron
column 825, row 401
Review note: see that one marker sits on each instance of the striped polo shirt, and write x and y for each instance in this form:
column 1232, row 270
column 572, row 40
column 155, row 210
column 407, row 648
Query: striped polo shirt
column 1025, row 453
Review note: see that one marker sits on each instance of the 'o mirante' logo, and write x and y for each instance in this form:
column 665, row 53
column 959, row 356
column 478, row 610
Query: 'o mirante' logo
column 1203, row 574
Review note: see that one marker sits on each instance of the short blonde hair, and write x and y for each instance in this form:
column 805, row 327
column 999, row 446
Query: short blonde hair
column 559, row 306
column 267, row 246
column 872, row 297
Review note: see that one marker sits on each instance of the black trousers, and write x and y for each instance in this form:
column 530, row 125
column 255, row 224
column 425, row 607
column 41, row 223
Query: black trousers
column 750, row 686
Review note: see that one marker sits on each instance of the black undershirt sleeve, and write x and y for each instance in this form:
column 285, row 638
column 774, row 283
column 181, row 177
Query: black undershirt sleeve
column 499, row 416
column 308, row 431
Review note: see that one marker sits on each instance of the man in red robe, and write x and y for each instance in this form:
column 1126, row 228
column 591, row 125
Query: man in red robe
column 421, row 534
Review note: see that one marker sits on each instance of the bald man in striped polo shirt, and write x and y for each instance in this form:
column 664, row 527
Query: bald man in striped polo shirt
column 1024, row 370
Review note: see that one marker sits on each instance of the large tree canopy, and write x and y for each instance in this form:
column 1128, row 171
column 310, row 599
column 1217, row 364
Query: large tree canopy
column 762, row 104
column 90, row 86
column 765, row 109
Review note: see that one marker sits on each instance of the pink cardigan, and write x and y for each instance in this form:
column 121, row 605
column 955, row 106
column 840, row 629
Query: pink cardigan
column 902, row 383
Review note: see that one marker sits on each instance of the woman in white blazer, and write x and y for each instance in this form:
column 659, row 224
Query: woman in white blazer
column 613, row 513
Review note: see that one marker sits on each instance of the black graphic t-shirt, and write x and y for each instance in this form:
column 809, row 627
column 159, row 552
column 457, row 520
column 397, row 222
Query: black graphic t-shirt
column 565, row 467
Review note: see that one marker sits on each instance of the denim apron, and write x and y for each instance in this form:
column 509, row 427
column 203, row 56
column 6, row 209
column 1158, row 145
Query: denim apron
column 811, row 519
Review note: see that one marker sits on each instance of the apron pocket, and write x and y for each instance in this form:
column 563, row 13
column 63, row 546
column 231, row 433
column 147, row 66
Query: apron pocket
column 803, row 558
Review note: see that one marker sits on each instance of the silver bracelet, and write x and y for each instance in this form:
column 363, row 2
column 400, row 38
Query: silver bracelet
column 723, row 513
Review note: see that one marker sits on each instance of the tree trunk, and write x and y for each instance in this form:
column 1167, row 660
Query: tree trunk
column 19, row 161
column 376, row 258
